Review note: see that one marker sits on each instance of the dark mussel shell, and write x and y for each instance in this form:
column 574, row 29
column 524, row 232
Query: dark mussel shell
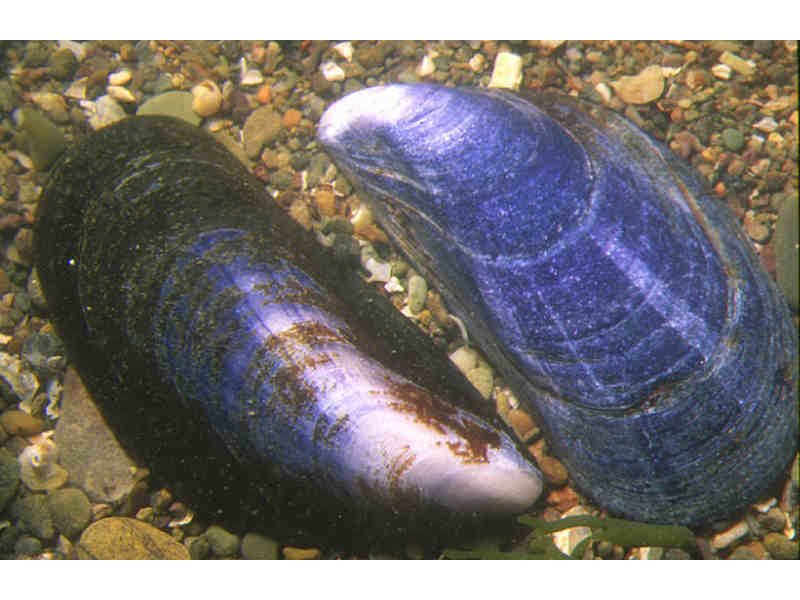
column 620, row 301
column 233, row 355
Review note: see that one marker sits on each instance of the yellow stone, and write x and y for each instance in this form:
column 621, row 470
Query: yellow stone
column 120, row 538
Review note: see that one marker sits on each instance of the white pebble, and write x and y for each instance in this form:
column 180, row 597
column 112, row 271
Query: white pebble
column 477, row 63
column 120, row 77
column 331, row 71
column 378, row 271
column 766, row 125
column 567, row 540
column 721, row 71
column 252, row 77
column 394, row 285
column 103, row 112
column 426, row 67
column 120, row 93
column 507, row 72
column 604, row 91
column 465, row 358
column 345, row 50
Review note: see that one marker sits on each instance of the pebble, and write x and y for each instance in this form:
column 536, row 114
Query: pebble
column 780, row 547
column 730, row 535
column 9, row 477
column 43, row 141
column 465, row 358
column 198, row 547
column 16, row 422
column 120, row 94
column 787, row 239
column 417, row 293
column 755, row 228
column 767, row 124
column 426, row 66
column 733, row 139
column 121, row 538
column 171, row 104
column 567, row 539
column 331, row 71
column 39, row 469
column 222, row 542
column 721, row 71
column 32, row 515
column 260, row 129
column 291, row 553
column 645, row 87
column 483, row 380
column 738, row 64
column 555, row 473
column 70, row 510
column 291, row 118
column 521, row 422
column 88, row 450
column 258, row 547
column 507, row 72
column 27, row 546
column 103, row 112
column 742, row 553
column 62, row 64
column 206, row 98
column 120, row 77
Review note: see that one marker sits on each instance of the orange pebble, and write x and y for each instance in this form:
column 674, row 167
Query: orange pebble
column 264, row 94
column 291, row 118
column 562, row 499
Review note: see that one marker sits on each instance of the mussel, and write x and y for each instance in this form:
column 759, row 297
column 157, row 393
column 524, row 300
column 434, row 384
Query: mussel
column 236, row 357
column 619, row 300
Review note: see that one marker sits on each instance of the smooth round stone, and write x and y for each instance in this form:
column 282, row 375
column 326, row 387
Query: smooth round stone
column 260, row 129
column 70, row 510
column 32, row 514
column 554, row 472
column 786, row 253
column 417, row 292
column 120, row 538
column 290, row 553
column 9, row 477
column 28, row 546
column 171, row 104
column 742, row 553
column 44, row 141
column 199, row 548
column 780, row 547
column 733, row 139
column 222, row 542
column 258, row 547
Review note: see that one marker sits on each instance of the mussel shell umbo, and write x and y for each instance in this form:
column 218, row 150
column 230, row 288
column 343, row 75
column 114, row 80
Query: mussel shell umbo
column 233, row 355
column 620, row 301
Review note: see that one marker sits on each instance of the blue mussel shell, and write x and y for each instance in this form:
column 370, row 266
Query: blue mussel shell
column 233, row 355
column 620, row 301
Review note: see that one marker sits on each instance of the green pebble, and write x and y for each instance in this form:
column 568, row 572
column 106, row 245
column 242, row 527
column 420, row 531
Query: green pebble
column 70, row 509
column 786, row 252
column 63, row 64
column 223, row 543
column 43, row 141
column 417, row 292
column 199, row 548
column 258, row 547
column 742, row 553
column 33, row 516
column 171, row 104
column 733, row 139
column 28, row 546
column 9, row 477
column 780, row 547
